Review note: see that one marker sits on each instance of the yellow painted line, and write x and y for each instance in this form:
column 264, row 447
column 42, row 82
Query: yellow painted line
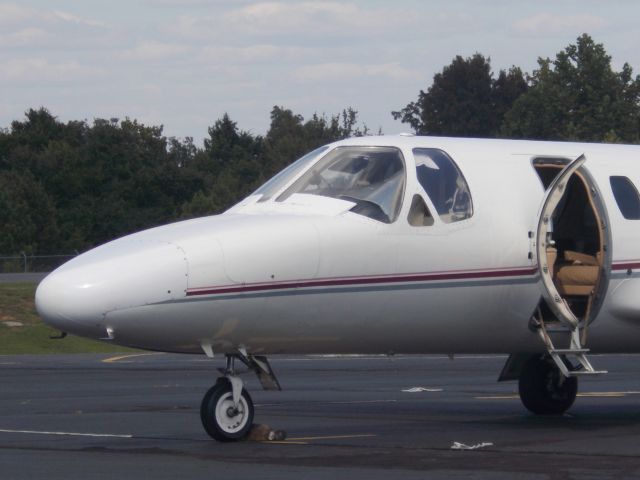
column 332, row 437
column 122, row 357
column 602, row 394
column 583, row 394
column 284, row 442
column 498, row 397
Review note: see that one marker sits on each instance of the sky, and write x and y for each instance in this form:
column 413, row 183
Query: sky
column 184, row 63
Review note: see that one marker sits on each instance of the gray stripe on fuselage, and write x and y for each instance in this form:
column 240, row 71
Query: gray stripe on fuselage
column 354, row 289
column 622, row 275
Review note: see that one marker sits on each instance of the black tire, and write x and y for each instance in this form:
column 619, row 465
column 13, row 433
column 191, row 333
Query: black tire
column 543, row 389
column 218, row 420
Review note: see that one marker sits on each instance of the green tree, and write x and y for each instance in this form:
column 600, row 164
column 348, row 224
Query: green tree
column 26, row 215
column 464, row 100
column 70, row 186
column 103, row 180
column 39, row 152
column 39, row 128
column 228, row 168
column 578, row 96
column 134, row 180
column 233, row 163
column 289, row 136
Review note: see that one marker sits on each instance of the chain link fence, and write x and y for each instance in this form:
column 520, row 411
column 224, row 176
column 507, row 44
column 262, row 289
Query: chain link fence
column 23, row 263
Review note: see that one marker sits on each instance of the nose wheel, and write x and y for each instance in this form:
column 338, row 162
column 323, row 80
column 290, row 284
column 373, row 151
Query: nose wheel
column 224, row 418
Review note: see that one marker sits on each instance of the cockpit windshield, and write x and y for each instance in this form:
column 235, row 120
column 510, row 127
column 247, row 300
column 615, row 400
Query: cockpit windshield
column 279, row 180
column 371, row 177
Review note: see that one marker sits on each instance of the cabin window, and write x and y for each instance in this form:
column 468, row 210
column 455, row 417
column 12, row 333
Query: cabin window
column 444, row 184
column 278, row 181
column 626, row 196
column 372, row 178
column 419, row 214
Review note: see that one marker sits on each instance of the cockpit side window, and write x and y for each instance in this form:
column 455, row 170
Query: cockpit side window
column 443, row 182
column 419, row 214
column 373, row 178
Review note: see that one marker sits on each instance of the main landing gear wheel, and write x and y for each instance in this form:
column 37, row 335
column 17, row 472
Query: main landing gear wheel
column 222, row 419
column 543, row 389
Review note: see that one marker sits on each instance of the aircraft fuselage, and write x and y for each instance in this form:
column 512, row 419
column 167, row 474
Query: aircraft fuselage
column 305, row 274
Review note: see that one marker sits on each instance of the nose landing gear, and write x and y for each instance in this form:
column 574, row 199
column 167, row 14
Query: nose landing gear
column 227, row 410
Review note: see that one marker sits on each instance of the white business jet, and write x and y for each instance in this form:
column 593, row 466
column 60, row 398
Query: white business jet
column 388, row 244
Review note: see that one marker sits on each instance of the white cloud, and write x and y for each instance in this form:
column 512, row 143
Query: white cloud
column 23, row 26
column 39, row 71
column 545, row 23
column 23, row 37
column 151, row 50
column 191, row 3
column 274, row 16
column 15, row 15
column 151, row 89
column 187, row 26
column 187, row 61
column 12, row 14
column 252, row 54
column 68, row 17
column 297, row 21
column 349, row 71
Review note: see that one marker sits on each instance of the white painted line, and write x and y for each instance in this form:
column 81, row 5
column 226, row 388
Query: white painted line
column 71, row 434
column 421, row 389
column 353, row 402
column 462, row 446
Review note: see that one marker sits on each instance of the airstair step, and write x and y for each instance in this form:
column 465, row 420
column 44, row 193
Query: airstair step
column 569, row 351
column 574, row 373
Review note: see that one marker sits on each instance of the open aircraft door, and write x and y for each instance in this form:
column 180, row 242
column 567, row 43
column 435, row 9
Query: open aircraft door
column 573, row 253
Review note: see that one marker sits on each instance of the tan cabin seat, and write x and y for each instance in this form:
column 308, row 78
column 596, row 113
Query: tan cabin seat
column 552, row 254
column 577, row 274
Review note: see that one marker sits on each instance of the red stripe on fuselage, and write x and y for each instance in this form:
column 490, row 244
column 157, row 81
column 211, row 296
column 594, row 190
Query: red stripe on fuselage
column 626, row 265
column 370, row 280
column 387, row 278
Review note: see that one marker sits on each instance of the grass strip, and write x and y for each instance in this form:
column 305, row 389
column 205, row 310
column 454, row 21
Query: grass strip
column 22, row 331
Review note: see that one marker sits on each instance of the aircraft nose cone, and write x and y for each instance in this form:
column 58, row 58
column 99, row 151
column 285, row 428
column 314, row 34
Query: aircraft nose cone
column 123, row 274
column 60, row 306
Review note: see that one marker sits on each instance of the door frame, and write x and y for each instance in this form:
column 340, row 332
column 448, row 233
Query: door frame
column 544, row 239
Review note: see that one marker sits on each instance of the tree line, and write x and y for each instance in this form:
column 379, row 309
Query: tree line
column 66, row 187
column 578, row 96
column 69, row 186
